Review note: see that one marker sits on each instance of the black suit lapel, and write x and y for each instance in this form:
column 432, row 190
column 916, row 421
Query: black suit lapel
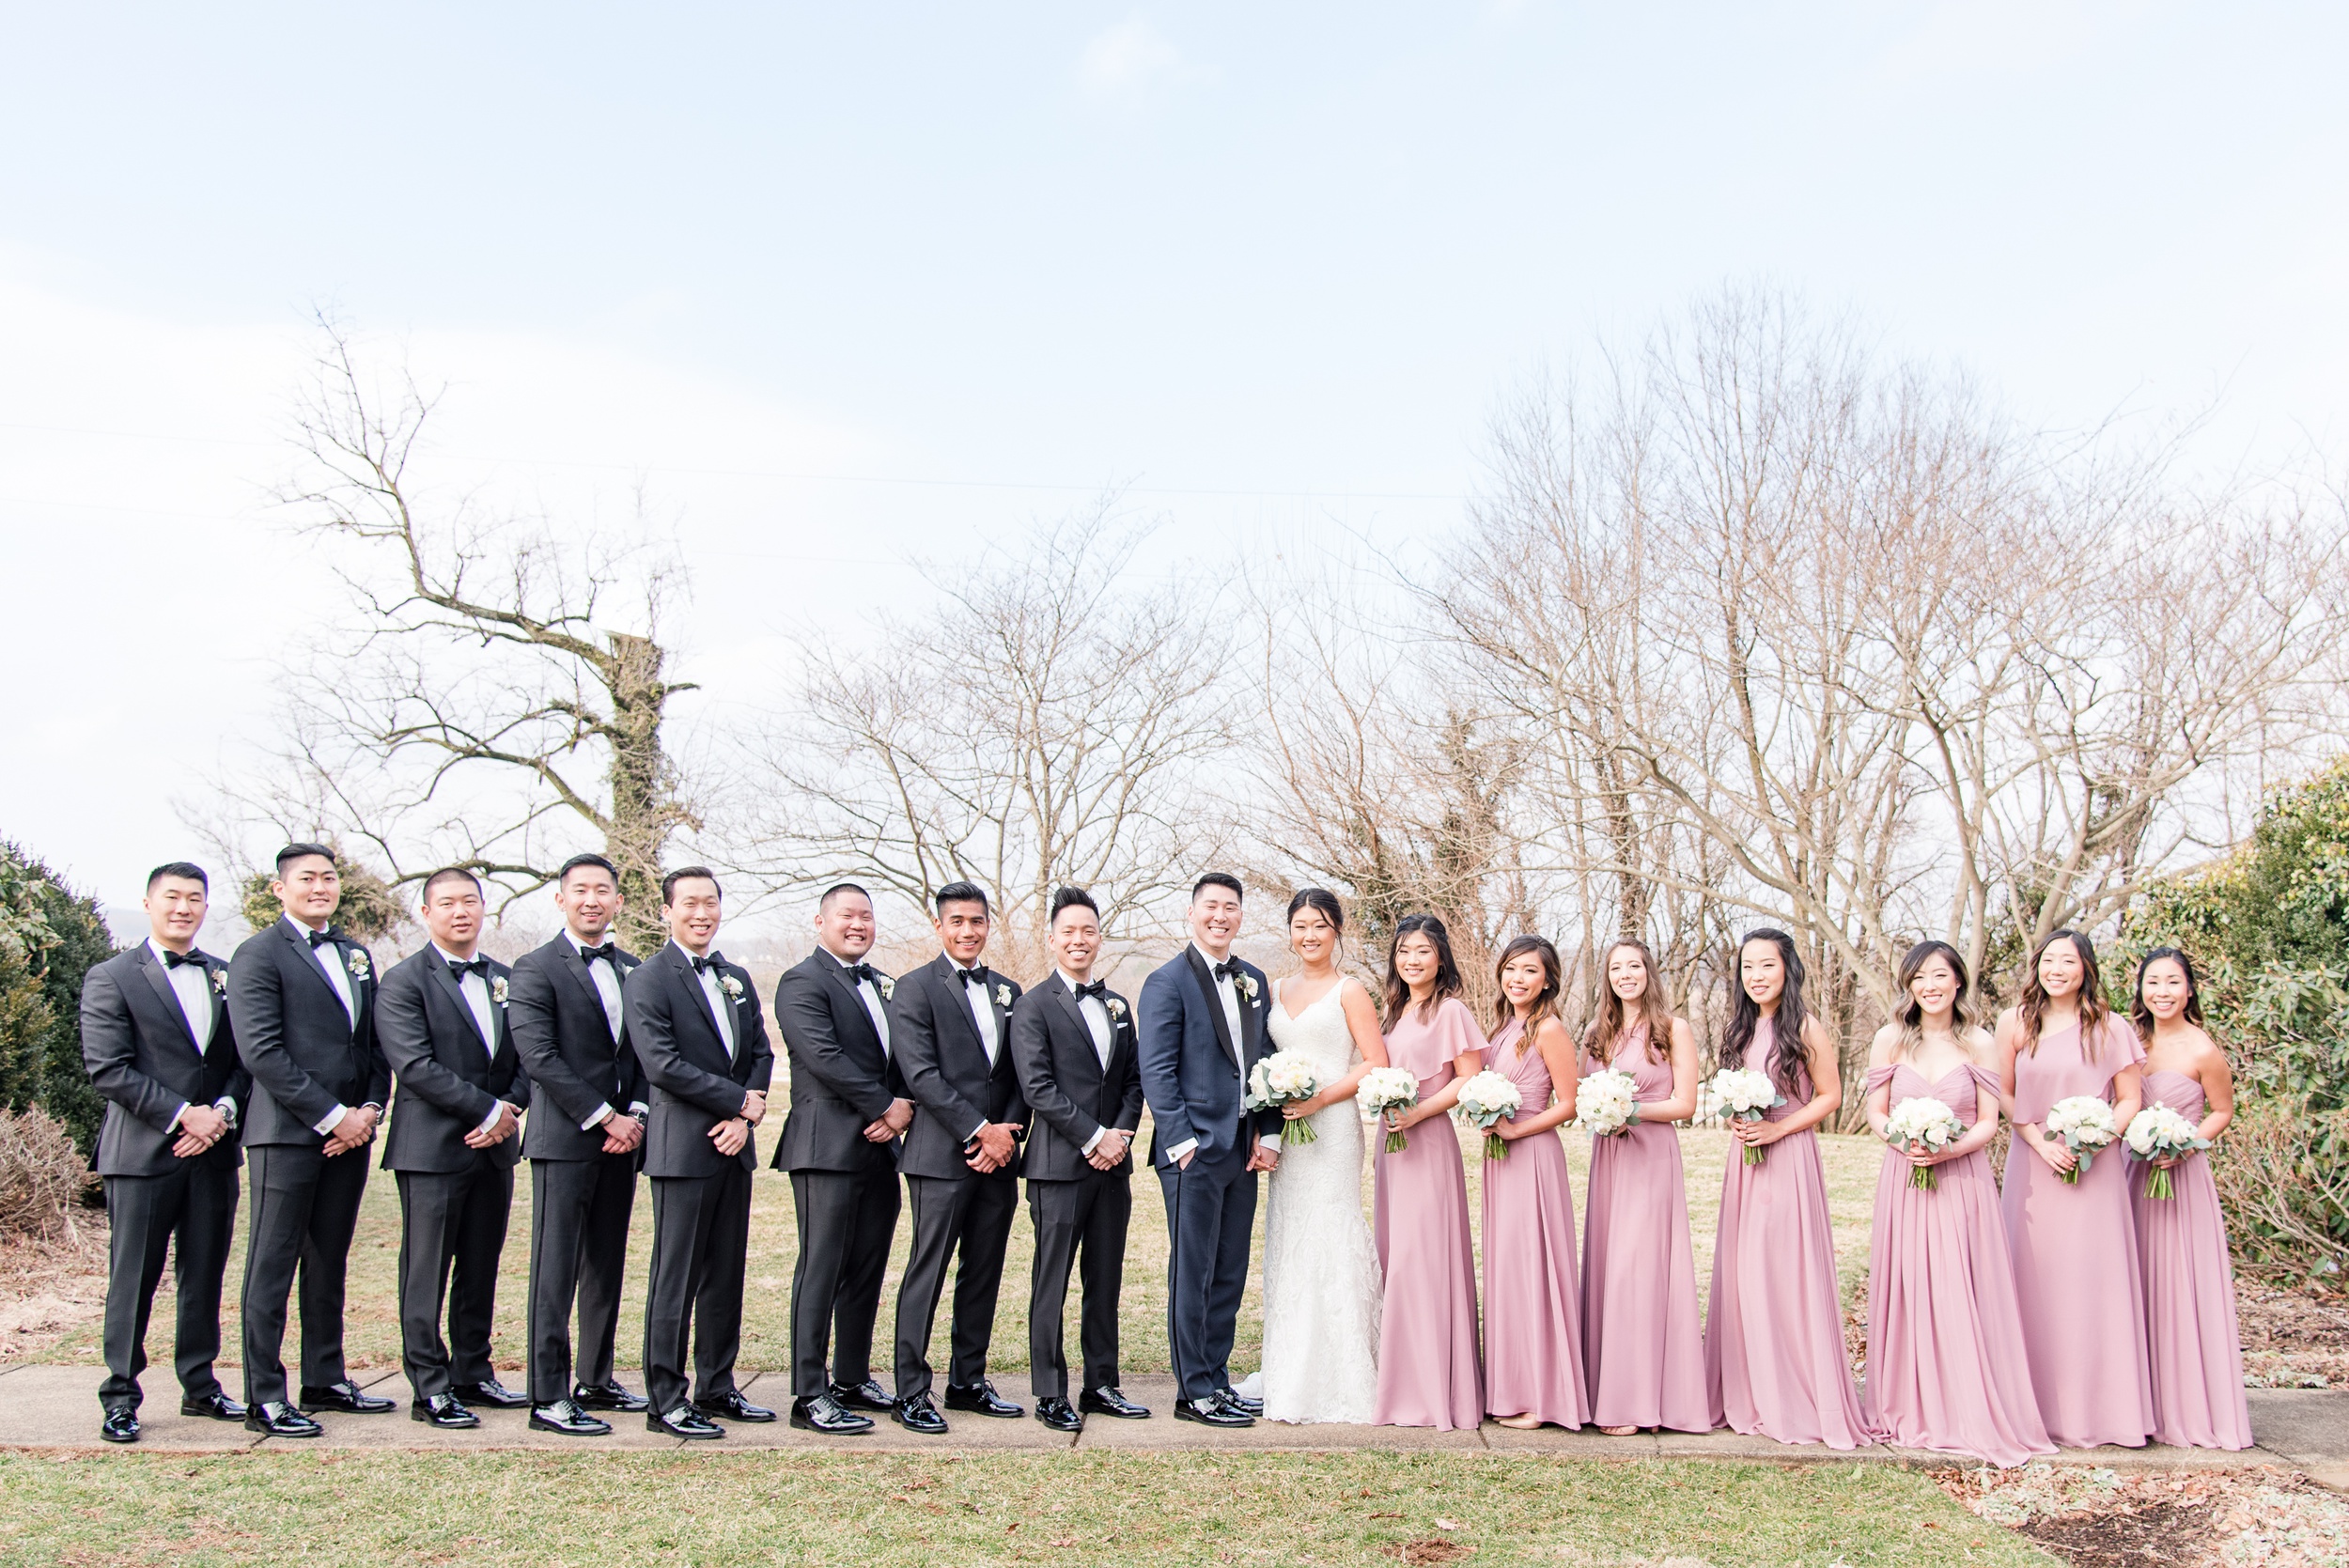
column 689, row 988
column 946, row 988
column 160, row 978
column 856, row 998
column 1206, row 977
column 1075, row 1013
column 306, row 959
column 453, row 990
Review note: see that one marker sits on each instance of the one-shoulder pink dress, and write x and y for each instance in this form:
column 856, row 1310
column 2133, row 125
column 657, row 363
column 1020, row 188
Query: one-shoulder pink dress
column 1946, row 1365
column 1532, row 1301
column 1774, row 1360
column 2195, row 1353
column 2076, row 1277
column 1428, row 1374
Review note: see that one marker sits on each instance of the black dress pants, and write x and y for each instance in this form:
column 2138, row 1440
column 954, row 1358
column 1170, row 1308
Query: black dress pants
column 191, row 1214
column 304, row 1208
column 971, row 1215
column 452, row 1233
column 578, row 1218
column 701, row 1231
column 1082, row 1218
column 847, row 1220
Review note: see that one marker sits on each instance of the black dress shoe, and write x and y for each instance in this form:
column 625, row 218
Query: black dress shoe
column 1056, row 1414
column 916, row 1413
column 733, row 1407
column 215, row 1405
column 1241, row 1403
column 565, row 1417
column 347, row 1397
column 684, row 1421
column 981, row 1399
column 1110, row 1402
column 491, row 1392
column 608, row 1396
column 867, row 1395
column 823, row 1414
column 121, row 1426
column 446, row 1411
column 277, row 1419
column 1211, row 1412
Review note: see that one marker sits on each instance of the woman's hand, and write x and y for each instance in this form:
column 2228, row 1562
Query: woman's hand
column 1920, row 1159
column 1296, row 1110
column 1758, row 1135
column 2058, row 1155
column 1508, row 1130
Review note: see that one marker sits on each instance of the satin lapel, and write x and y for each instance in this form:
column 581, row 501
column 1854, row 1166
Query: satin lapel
column 159, row 979
column 688, row 986
column 220, row 1000
column 306, row 958
column 945, row 988
column 855, row 995
column 576, row 967
column 1250, row 1018
column 1205, row 978
column 452, row 988
column 1067, row 999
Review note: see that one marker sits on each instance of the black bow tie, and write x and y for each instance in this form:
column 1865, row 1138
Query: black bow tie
column 862, row 974
column 319, row 939
column 972, row 976
column 463, row 967
column 712, row 960
column 1228, row 970
column 1098, row 990
column 173, row 960
column 609, row 953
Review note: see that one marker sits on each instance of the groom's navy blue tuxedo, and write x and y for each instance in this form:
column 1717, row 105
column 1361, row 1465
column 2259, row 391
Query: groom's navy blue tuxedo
column 1194, row 1073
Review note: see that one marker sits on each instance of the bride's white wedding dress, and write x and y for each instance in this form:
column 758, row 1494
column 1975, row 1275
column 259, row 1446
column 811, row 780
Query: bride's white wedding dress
column 1321, row 1273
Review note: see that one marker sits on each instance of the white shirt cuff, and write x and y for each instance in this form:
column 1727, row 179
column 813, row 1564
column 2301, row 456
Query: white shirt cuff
column 227, row 1106
column 602, row 1113
column 639, row 1110
column 497, row 1108
column 326, row 1126
column 173, row 1126
column 1272, row 1142
column 1094, row 1141
column 1178, row 1151
column 974, row 1132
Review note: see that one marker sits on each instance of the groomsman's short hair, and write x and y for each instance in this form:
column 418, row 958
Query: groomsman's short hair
column 1072, row 898
column 577, row 861
column 687, row 874
column 960, row 892
column 187, row 869
column 1216, row 879
column 302, row 852
column 443, row 875
column 838, row 888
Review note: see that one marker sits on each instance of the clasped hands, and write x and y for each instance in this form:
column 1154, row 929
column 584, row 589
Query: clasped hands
column 355, row 1130
column 200, row 1127
column 509, row 1122
column 892, row 1122
column 996, row 1142
column 735, row 1131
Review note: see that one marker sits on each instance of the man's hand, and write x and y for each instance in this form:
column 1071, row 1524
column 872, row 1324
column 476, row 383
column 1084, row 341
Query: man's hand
column 622, row 1134
column 200, row 1127
column 899, row 1115
column 754, row 1106
column 496, row 1132
column 1182, row 1161
column 1262, row 1158
column 355, row 1130
column 998, row 1143
column 1109, row 1150
column 730, row 1135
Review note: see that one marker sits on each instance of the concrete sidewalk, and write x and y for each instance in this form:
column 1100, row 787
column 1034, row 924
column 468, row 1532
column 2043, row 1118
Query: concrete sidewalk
column 56, row 1407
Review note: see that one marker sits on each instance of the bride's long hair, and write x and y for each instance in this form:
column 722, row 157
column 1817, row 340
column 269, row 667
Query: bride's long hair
column 1545, row 1004
column 1325, row 903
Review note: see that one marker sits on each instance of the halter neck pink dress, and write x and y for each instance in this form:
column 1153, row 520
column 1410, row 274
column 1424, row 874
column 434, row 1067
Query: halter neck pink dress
column 1532, row 1301
column 1642, row 1339
column 2195, row 1353
column 1946, row 1364
column 2074, row 1251
column 1428, row 1372
column 1774, row 1360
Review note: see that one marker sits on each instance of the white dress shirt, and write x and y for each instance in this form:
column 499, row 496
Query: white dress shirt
column 982, row 1011
column 606, row 973
column 1228, row 994
column 476, row 991
column 192, row 985
column 720, row 1006
column 870, row 994
column 1096, row 1014
column 328, row 957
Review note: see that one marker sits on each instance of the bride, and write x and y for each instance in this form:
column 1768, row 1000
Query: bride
column 1321, row 1274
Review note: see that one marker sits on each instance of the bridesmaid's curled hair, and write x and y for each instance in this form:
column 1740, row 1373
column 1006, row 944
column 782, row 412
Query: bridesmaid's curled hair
column 1614, row 1020
column 1788, row 1058
column 1545, row 1004
column 1911, row 1017
column 1448, row 981
column 2092, row 1004
column 2142, row 1015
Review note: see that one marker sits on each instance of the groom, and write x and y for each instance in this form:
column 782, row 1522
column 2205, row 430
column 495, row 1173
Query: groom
column 1202, row 1029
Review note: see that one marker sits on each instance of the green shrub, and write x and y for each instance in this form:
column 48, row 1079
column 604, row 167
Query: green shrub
column 50, row 936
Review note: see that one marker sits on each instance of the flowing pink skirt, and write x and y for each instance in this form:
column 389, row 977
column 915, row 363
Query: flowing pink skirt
column 2077, row 1282
column 1642, row 1341
column 1428, row 1374
column 2196, row 1358
column 1532, row 1303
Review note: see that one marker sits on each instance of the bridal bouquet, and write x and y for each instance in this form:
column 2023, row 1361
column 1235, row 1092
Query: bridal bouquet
column 1923, row 1125
column 2158, row 1132
column 1607, row 1102
column 1485, row 1100
column 2085, row 1124
column 1746, row 1095
column 1281, row 1079
column 1386, row 1088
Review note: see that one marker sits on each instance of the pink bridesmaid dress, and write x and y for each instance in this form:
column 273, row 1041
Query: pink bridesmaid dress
column 1946, row 1365
column 2074, row 1252
column 1533, row 1302
column 1428, row 1363
column 1642, row 1343
column 1774, row 1360
column 2195, row 1354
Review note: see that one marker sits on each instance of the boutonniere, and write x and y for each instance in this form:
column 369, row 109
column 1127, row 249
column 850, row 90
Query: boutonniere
column 1002, row 996
column 1247, row 984
column 1117, row 1008
column 732, row 987
column 356, row 962
column 888, row 986
column 497, row 990
column 220, row 983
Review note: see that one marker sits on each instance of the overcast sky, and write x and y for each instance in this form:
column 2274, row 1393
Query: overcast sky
column 844, row 285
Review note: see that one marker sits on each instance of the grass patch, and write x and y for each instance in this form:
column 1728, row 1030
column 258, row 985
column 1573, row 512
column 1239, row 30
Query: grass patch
column 480, row 1510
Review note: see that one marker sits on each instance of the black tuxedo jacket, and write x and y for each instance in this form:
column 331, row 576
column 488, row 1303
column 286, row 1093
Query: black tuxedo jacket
column 1192, row 1071
column 143, row 1058
column 1061, row 1078
column 557, row 1017
column 684, row 1057
column 944, row 1064
column 842, row 1082
column 307, row 1055
column 449, row 1076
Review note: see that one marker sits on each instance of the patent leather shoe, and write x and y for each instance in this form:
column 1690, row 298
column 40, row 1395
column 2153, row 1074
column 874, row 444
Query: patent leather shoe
column 608, row 1396
column 915, row 1413
column 274, row 1418
column 731, row 1405
column 346, row 1397
column 1110, row 1402
column 491, row 1392
column 121, row 1426
column 215, row 1405
column 981, row 1399
column 684, row 1421
column 867, row 1395
column 446, row 1411
column 823, row 1414
column 1246, row 1406
column 1211, row 1412
column 565, row 1416
column 1058, row 1415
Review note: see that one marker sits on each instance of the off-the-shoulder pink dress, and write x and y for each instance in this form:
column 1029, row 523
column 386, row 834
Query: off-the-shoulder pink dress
column 1428, row 1374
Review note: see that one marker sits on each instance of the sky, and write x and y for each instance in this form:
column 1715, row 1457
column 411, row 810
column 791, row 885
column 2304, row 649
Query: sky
column 839, row 288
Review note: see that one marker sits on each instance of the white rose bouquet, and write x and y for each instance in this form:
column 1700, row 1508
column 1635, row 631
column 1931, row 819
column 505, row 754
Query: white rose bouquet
column 1923, row 1125
column 1486, row 1100
column 2158, row 1132
column 1386, row 1088
column 1607, row 1102
column 1746, row 1095
column 1281, row 1079
column 2084, row 1122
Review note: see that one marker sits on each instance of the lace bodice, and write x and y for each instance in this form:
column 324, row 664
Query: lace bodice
column 1317, row 1033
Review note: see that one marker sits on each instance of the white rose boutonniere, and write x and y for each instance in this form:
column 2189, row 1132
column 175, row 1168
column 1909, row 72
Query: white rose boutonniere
column 888, row 986
column 1002, row 996
column 1247, row 984
column 358, row 966
column 732, row 987
column 1117, row 1008
column 220, row 983
column 497, row 990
